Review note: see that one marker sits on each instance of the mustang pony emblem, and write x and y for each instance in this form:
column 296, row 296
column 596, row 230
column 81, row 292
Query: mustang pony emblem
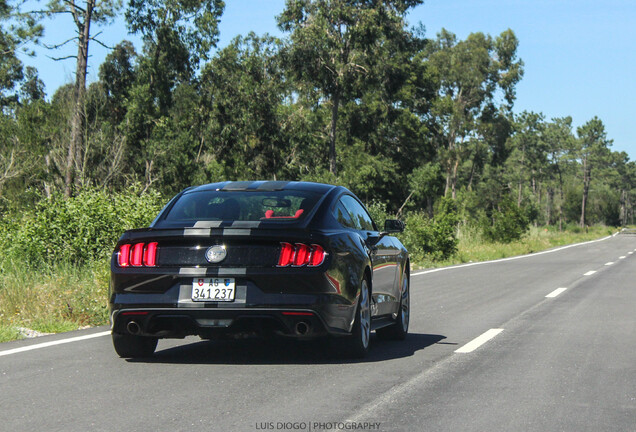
column 215, row 254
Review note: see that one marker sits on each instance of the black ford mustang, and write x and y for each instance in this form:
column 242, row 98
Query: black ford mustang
column 250, row 258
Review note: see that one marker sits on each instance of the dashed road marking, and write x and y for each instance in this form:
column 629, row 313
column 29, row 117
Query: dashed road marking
column 609, row 263
column 479, row 341
column 53, row 343
column 622, row 257
column 590, row 273
column 556, row 292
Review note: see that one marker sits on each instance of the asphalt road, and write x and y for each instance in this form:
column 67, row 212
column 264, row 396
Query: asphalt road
column 560, row 363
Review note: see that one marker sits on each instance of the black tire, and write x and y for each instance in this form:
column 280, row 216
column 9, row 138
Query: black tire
column 400, row 328
column 357, row 345
column 132, row 346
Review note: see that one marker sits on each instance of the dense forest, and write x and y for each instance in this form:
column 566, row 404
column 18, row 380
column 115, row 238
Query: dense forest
column 350, row 95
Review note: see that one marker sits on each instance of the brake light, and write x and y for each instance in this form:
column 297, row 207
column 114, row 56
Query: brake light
column 150, row 254
column 137, row 255
column 317, row 255
column 300, row 255
column 286, row 255
column 123, row 258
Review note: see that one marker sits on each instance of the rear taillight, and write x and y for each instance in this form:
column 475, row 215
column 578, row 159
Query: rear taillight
column 317, row 256
column 150, row 254
column 300, row 254
column 123, row 257
column 137, row 255
column 286, row 256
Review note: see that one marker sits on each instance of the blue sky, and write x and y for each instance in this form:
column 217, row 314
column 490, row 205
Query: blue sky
column 579, row 55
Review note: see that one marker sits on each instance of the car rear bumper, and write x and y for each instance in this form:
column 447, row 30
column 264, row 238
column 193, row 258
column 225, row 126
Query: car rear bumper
column 171, row 312
column 220, row 322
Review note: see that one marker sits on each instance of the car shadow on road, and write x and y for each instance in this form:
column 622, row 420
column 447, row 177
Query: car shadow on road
column 284, row 351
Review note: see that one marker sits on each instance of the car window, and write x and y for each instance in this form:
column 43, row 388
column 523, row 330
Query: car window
column 343, row 216
column 272, row 206
column 359, row 215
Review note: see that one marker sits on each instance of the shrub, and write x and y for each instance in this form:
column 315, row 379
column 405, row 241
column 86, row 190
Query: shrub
column 78, row 230
column 433, row 239
column 506, row 224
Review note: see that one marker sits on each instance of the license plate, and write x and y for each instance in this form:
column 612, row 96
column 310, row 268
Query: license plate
column 213, row 289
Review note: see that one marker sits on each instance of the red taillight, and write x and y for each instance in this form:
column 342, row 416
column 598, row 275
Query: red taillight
column 300, row 255
column 123, row 258
column 150, row 254
column 137, row 255
column 286, row 255
column 317, row 255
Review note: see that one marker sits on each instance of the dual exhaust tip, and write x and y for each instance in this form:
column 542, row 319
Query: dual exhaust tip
column 133, row 327
column 302, row 328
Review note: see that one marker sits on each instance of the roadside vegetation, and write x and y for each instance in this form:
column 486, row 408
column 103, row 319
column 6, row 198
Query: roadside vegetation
column 422, row 127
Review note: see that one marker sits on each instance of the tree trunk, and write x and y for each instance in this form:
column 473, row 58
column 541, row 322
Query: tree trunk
column 561, row 195
column 448, row 180
column 449, row 164
column 77, row 138
column 623, row 218
column 454, row 179
column 586, row 188
column 332, row 133
column 548, row 208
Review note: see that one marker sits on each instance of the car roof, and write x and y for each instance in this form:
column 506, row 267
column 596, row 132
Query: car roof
column 263, row 185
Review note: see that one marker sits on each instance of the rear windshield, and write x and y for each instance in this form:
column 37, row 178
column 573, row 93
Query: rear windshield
column 243, row 206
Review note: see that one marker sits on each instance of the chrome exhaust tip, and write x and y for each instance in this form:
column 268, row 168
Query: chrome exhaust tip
column 133, row 327
column 302, row 328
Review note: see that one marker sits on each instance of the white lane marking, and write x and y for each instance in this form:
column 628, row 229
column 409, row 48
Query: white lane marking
column 609, row 263
column 590, row 273
column 53, row 343
column 622, row 257
column 479, row 341
column 415, row 382
column 507, row 259
column 629, row 253
column 556, row 292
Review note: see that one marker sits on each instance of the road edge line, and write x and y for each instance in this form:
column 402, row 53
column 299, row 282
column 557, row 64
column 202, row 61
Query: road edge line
column 509, row 258
column 52, row 343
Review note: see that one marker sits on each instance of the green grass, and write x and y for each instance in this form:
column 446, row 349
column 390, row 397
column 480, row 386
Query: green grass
column 8, row 333
column 473, row 248
column 52, row 299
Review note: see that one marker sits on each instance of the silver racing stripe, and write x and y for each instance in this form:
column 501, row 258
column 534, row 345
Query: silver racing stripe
column 207, row 224
column 246, row 224
column 237, row 232
column 197, row 232
column 232, row 271
column 192, row 271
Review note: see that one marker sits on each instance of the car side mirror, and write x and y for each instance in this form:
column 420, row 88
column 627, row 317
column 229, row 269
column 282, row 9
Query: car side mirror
column 393, row 226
